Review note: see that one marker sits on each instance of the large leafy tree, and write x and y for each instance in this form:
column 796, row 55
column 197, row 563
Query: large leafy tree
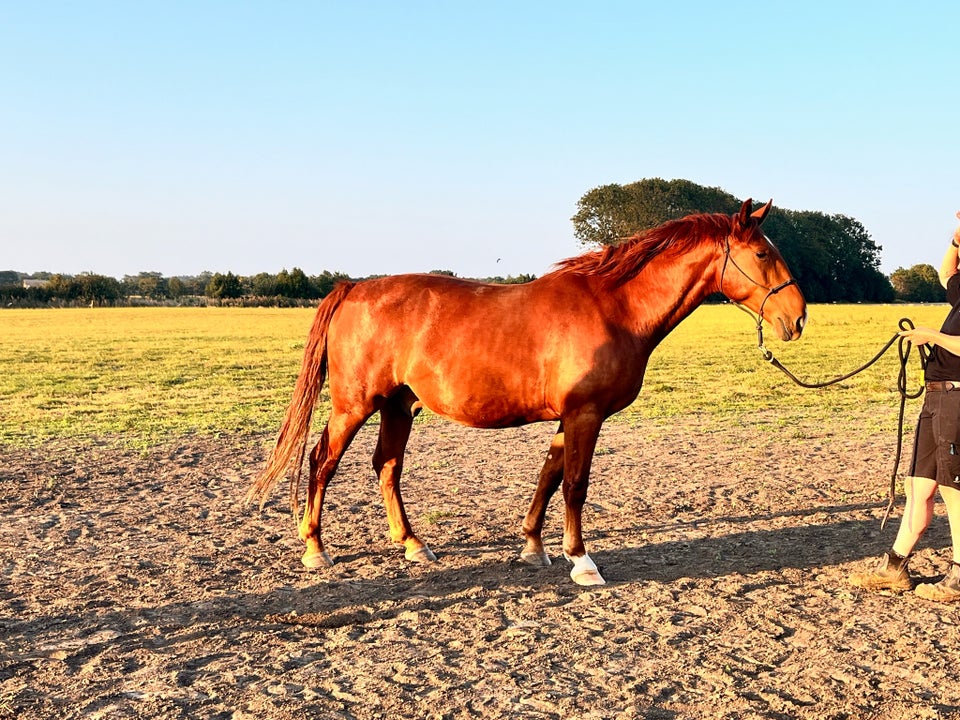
column 921, row 283
column 224, row 286
column 85, row 288
column 325, row 282
column 263, row 285
column 292, row 284
column 147, row 284
column 832, row 256
column 609, row 213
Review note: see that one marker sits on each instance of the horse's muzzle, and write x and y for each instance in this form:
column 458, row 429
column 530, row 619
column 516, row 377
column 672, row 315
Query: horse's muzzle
column 790, row 331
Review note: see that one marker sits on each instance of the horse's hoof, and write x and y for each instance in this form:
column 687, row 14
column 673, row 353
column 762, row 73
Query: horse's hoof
column 587, row 577
column 538, row 558
column 419, row 555
column 585, row 571
column 317, row 559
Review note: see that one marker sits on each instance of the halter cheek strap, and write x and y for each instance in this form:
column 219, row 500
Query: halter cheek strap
column 728, row 258
column 773, row 291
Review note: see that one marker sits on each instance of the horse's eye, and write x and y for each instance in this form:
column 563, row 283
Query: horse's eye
column 762, row 255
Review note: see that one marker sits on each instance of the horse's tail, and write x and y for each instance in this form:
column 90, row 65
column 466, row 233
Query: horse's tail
column 295, row 430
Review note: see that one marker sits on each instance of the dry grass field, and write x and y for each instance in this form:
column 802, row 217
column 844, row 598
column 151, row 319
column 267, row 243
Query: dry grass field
column 141, row 375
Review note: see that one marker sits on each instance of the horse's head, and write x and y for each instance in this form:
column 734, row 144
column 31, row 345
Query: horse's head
column 754, row 275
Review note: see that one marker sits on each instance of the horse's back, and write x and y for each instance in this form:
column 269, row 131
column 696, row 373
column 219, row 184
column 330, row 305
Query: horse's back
column 440, row 300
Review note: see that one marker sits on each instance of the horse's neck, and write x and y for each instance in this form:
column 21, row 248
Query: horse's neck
column 664, row 293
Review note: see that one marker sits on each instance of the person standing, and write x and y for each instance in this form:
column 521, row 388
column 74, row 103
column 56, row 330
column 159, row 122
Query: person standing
column 936, row 452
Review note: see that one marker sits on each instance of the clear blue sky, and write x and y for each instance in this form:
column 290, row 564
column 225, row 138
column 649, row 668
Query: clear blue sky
column 387, row 137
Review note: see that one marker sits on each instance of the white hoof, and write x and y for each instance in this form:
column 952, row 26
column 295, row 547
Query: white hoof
column 537, row 558
column 585, row 571
column 317, row 560
column 587, row 577
column 420, row 555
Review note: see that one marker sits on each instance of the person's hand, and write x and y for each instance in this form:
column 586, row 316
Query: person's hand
column 920, row 335
column 958, row 214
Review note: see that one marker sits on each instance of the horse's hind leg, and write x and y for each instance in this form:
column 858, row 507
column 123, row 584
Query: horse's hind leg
column 550, row 478
column 324, row 459
column 396, row 421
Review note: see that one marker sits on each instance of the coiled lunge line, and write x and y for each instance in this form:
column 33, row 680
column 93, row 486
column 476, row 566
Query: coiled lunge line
column 904, row 346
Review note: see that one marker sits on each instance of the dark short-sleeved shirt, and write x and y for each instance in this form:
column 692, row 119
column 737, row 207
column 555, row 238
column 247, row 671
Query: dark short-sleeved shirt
column 944, row 365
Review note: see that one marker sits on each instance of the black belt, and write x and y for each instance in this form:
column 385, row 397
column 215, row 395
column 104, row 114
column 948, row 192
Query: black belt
column 943, row 385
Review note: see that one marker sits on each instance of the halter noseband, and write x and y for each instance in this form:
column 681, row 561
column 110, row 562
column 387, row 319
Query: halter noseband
column 727, row 257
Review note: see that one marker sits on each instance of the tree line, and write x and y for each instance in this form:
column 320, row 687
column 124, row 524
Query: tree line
column 833, row 258
column 285, row 288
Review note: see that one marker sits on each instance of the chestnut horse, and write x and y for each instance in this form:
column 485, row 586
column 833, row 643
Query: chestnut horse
column 571, row 346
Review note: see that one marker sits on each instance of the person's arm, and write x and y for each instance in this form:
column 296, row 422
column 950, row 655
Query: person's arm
column 951, row 259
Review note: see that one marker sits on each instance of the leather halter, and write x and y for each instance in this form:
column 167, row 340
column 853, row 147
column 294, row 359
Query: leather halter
column 728, row 258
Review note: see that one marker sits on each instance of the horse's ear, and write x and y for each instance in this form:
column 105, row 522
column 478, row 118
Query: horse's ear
column 744, row 215
column 760, row 213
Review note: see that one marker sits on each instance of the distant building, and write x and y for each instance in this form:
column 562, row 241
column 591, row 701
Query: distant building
column 31, row 283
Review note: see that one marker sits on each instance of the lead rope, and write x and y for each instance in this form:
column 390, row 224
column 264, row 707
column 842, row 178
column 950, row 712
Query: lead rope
column 904, row 347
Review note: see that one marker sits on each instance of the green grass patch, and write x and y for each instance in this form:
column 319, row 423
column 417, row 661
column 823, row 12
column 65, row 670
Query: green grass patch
column 146, row 374
column 710, row 368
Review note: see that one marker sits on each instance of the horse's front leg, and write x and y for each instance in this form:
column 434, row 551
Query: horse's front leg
column 580, row 443
column 551, row 475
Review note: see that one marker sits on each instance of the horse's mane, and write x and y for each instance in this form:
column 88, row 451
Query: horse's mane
column 616, row 264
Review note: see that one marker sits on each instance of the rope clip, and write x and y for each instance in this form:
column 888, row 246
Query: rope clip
column 767, row 354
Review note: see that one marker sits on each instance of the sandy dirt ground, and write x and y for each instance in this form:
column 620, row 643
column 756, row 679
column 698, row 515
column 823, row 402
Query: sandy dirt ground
column 138, row 585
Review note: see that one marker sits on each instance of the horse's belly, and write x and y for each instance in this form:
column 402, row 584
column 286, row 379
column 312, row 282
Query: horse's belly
column 489, row 405
column 489, row 416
